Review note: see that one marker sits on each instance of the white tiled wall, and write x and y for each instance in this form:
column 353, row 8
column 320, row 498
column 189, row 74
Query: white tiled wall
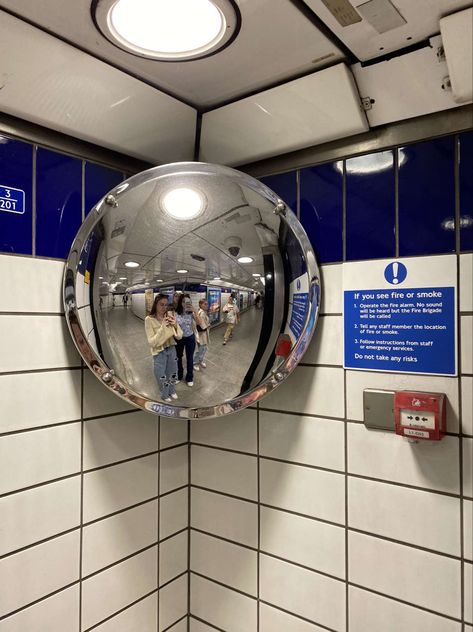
column 82, row 525
column 348, row 529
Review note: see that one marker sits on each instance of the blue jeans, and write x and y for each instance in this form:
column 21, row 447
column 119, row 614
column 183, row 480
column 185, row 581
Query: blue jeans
column 165, row 371
column 199, row 356
column 187, row 343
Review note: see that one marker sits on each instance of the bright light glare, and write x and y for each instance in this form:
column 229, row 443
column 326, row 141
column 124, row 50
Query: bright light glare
column 182, row 271
column 183, row 203
column 245, row 260
column 132, row 264
column 167, row 28
column 159, row 280
column 122, row 278
column 256, row 274
column 371, row 163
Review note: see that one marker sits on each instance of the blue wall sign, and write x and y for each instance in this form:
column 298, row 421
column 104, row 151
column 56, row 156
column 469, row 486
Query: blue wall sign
column 300, row 303
column 12, row 200
column 395, row 273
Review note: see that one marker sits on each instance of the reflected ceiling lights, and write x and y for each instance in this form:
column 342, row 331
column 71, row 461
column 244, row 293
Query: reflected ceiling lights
column 183, row 203
column 245, row 260
column 182, row 271
column 132, row 264
column 168, row 30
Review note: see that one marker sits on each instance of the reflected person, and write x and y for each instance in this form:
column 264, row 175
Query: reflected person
column 203, row 338
column 188, row 320
column 232, row 317
column 162, row 331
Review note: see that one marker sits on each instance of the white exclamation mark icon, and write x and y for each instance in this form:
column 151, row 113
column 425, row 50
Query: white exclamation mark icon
column 395, row 271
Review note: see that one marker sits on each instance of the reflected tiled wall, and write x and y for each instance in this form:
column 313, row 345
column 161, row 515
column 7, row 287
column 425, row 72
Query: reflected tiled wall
column 93, row 494
column 302, row 520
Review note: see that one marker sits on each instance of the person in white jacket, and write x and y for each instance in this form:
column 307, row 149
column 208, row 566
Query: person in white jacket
column 162, row 331
column 203, row 339
column 232, row 317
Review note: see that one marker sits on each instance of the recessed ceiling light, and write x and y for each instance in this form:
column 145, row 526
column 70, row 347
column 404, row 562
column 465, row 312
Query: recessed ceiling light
column 122, row 278
column 132, row 264
column 256, row 274
column 183, row 203
column 217, row 279
column 245, row 260
column 182, row 271
column 168, row 30
column 159, row 280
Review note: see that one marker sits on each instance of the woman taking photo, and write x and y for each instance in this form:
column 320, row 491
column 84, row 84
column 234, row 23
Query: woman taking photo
column 162, row 331
column 188, row 319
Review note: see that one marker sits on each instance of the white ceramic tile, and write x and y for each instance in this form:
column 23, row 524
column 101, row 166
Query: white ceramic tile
column 468, row 529
column 406, row 573
column 466, row 282
column 304, row 490
column 221, row 606
column 43, row 279
column 235, row 432
column 53, row 397
column 118, row 438
column 417, row 517
column 315, row 544
column 305, row 391
column 55, row 614
column 332, row 294
column 118, row 486
column 294, row 589
column 122, row 584
column 142, row 617
column 387, row 456
column 98, row 400
column 468, row 589
column 39, row 513
column 230, row 518
column 35, row 342
column 273, row 620
column 172, row 432
column 466, row 323
column 326, row 346
column 174, row 469
column 373, row 613
column 173, row 513
column 180, row 626
column 173, row 557
column 309, row 440
column 34, row 457
column 357, row 381
column 227, row 563
column 38, row 571
column 467, row 405
column 225, row 471
column 109, row 540
column 172, row 602
column 468, row 467
column 198, row 626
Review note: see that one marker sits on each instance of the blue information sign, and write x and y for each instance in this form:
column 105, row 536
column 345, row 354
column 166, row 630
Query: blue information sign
column 401, row 329
column 300, row 302
column 12, row 200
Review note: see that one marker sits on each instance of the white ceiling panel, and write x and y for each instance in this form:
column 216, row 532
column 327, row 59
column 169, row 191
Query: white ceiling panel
column 276, row 42
column 50, row 83
column 457, row 39
column 405, row 86
column 311, row 110
column 419, row 21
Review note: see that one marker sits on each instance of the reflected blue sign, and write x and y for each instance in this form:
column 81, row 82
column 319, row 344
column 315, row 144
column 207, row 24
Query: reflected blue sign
column 12, row 200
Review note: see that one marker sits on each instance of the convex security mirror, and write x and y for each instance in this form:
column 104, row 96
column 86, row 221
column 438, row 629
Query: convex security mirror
column 191, row 290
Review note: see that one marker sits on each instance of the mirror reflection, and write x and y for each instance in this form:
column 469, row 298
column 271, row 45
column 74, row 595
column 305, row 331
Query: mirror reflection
column 191, row 290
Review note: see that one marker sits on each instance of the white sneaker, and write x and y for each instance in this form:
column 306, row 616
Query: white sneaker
column 196, row 367
column 177, row 381
column 167, row 399
column 174, row 395
column 190, row 383
column 203, row 365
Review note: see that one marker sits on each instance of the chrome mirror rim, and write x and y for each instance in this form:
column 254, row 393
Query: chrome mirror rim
column 105, row 374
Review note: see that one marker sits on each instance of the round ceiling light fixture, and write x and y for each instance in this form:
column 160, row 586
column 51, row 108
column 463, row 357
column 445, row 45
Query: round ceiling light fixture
column 132, row 264
column 169, row 30
column 183, row 203
column 245, row 260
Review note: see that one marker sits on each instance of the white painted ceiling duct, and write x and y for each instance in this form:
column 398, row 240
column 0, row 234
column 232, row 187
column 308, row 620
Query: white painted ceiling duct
column 457, row 37
column 51, row 83
column 315, row 109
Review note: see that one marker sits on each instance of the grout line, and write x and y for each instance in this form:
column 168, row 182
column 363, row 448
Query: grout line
column 258, row 553
column 39, row 542
column 36, row 601
column 51, row 370
column 46, row 427
column 169, row 628
column 170, row 581
column 210, row 625
column 189, row 521
column 119, row 511
column 36, row 485
column 138, row 457
column 396, row 201
column 344, row 211
column 346, row 539
column 298, row 616
column 35, row 314
column 34, row 150
column 120, row 561
column 130, row 605
column 219, row 583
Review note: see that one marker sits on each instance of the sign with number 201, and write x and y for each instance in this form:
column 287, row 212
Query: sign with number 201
column 12, row 200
